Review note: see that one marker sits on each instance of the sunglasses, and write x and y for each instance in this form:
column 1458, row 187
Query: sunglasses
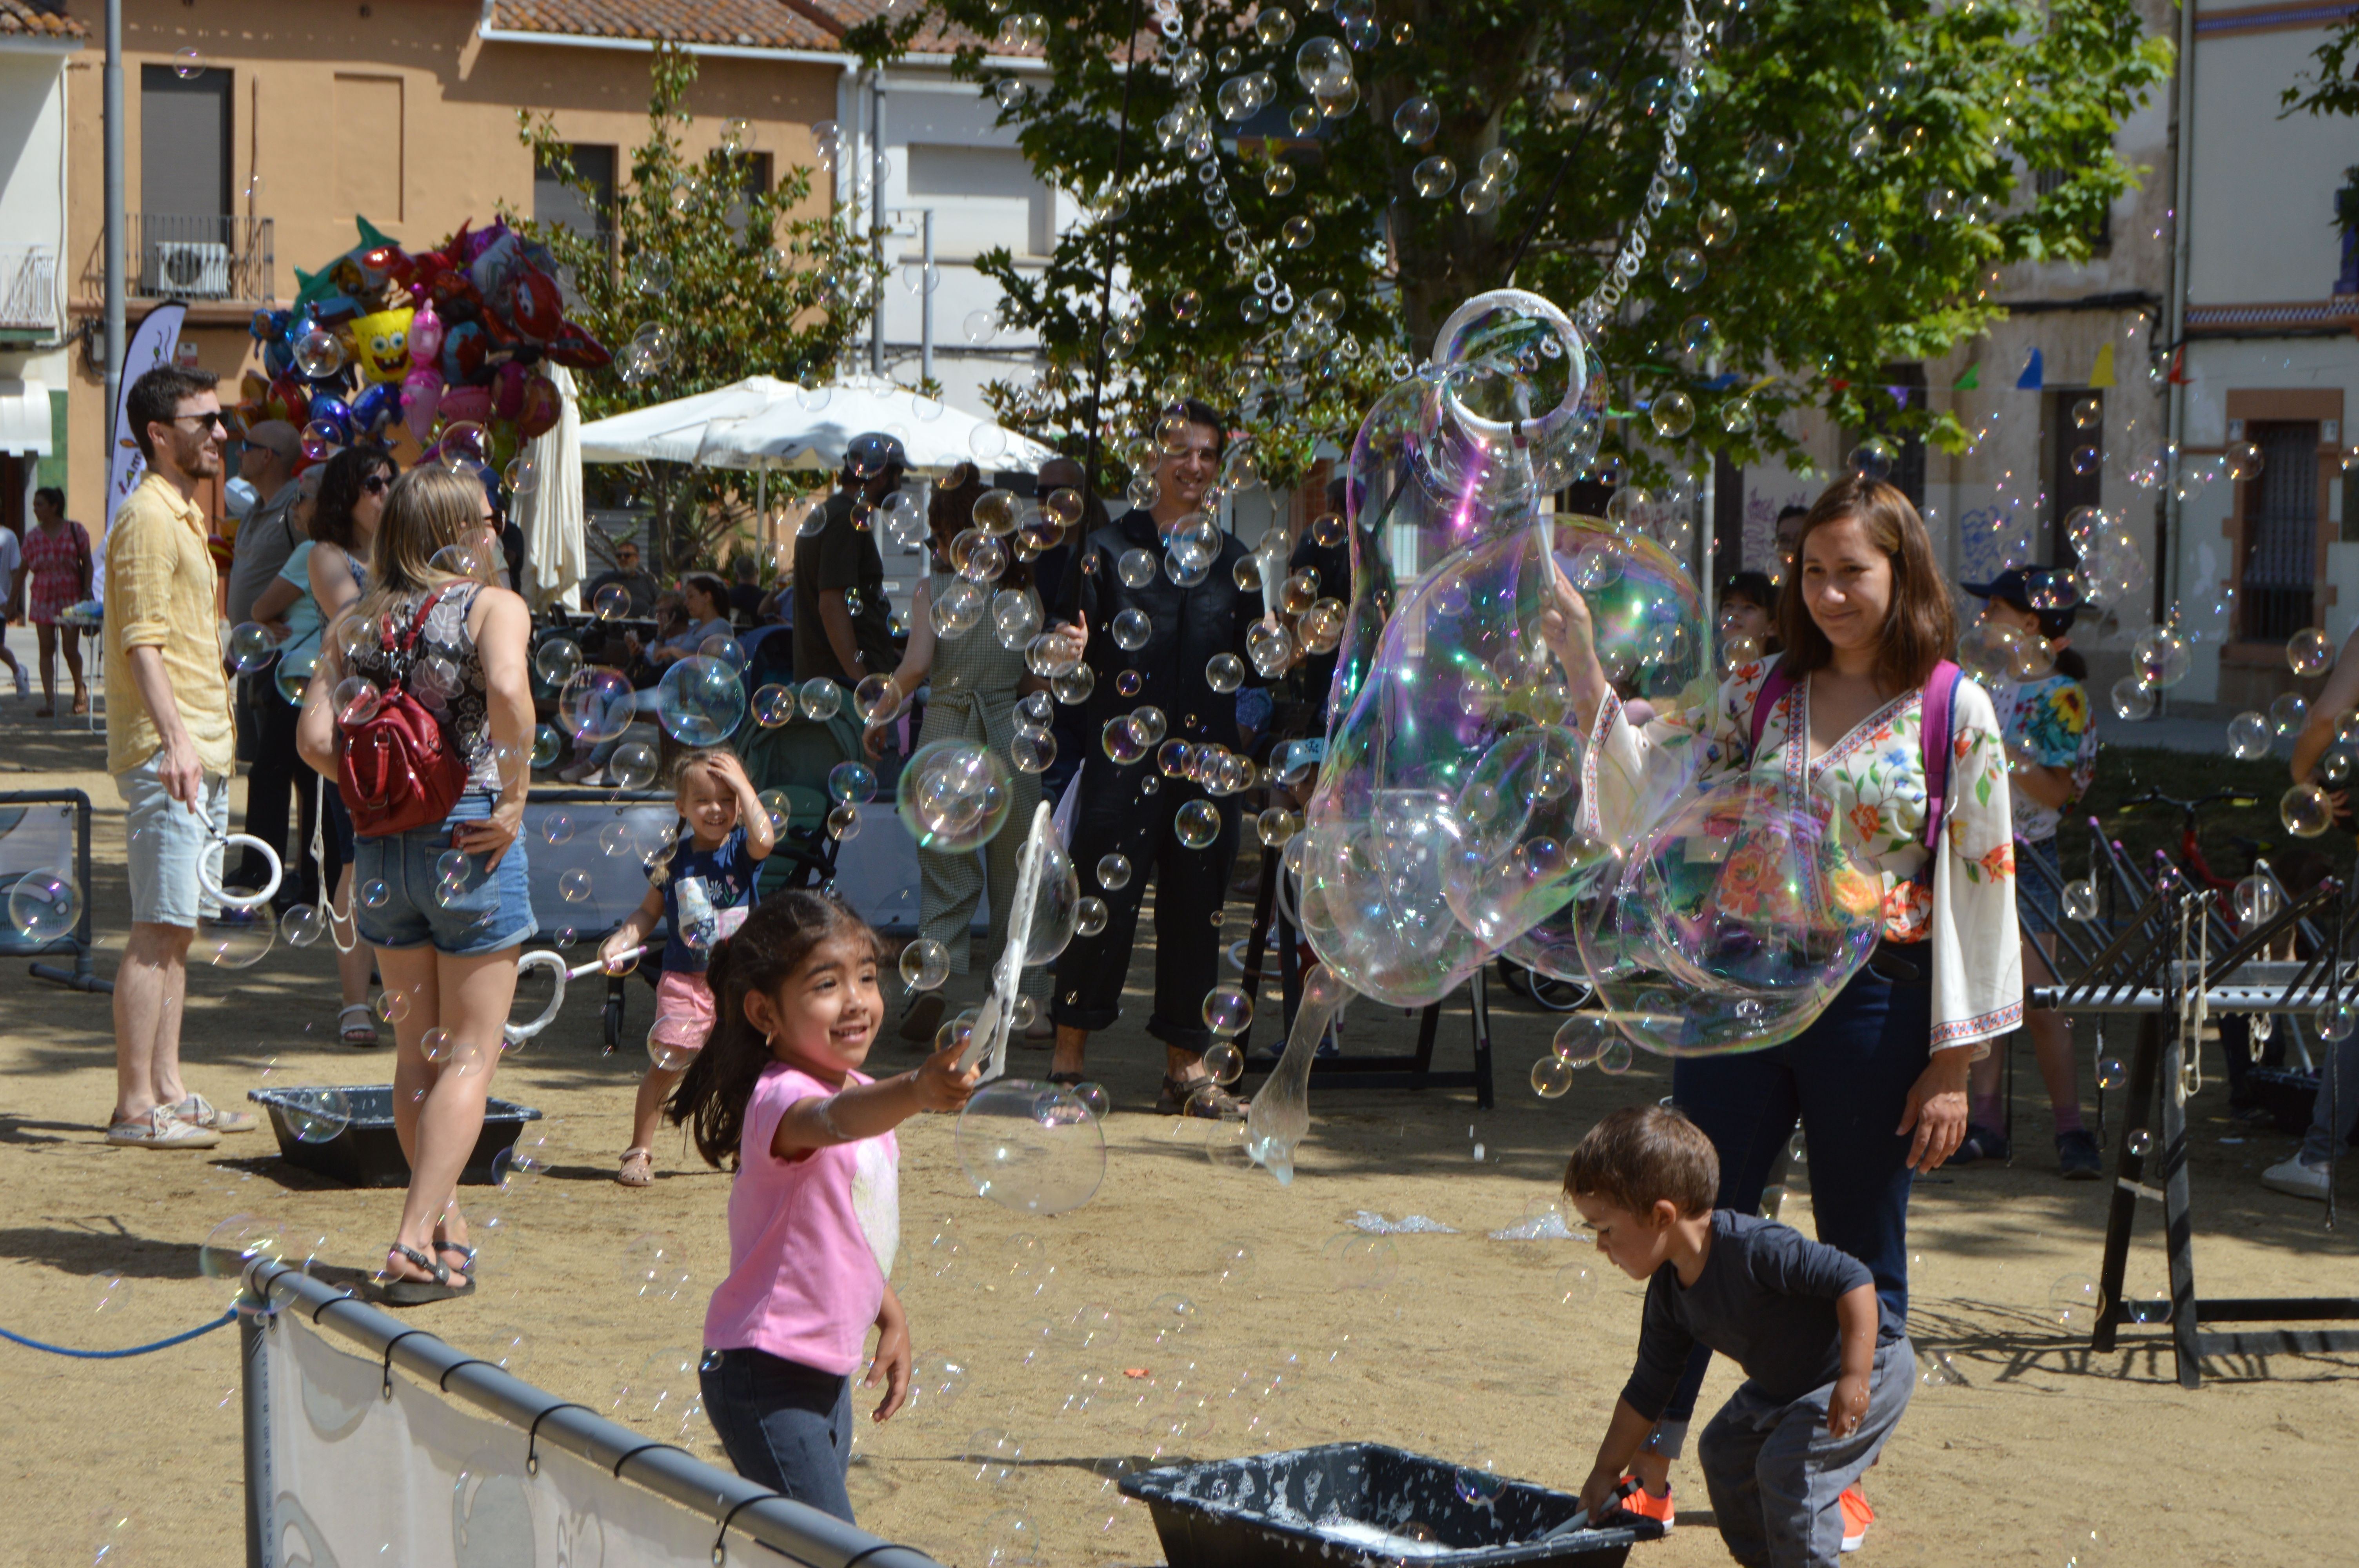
column 217, row 421
column 377, row 483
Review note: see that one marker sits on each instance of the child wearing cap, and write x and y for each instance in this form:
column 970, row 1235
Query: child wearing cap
column 2052, row 746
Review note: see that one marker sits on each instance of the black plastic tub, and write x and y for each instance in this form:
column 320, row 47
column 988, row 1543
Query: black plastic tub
column 1347, row 1503
column 363, row 1151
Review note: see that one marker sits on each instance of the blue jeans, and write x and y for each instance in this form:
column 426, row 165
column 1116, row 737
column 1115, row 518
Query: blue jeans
column 787, row 1426
column 1848, row 1077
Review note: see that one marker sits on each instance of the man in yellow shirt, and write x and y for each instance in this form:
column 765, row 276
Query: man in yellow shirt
column 171, row 745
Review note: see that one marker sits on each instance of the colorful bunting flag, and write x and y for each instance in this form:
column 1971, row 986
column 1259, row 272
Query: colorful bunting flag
column 1971, row 381
column 2031, row 379
column 2102, row 373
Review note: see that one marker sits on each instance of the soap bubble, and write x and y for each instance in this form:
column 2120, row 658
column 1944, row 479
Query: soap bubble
column 250, row 646
column 2111, row 1073
column 1113, row 872
column 2075, row 1301
column 2257, row 899
column 574, row 886
column 316, row 1115
column 821, row 699
column 2161, row 658
column 237, row 1241
column 925, row 964
column 1196, row 824
column 2141, row 1142
column 2080, row 899
column 655, row 1266
column 2309, row 652
column 375, row 894
column 1733, row 927
column 1551, row 1076
column 1089, row 918
column 2248, row 737
column 612, row 602
column 1363, row 1262
column 674, row 1039
column 237, row 938
column 1227, row 1011
column 1224, row 673
column 853, row 784
column 1030, row 1147
column 953, row 795
column 633, row 765
column 43, row 908
column 2131, row 700
column 1223, row 1063
column 2288, row 713
column 595, row 705
column 2306, row 811
column 1131, row 630
column 773, row 705
column 1519, row 852
column 2337, row 1019
column 701, row 701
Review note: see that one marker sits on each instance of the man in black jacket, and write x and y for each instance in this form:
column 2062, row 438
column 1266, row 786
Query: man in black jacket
column 1131, row 809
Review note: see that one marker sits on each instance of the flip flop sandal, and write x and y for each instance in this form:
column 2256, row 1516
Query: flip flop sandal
column 419, row 1293
column 1198, row 1097
column 361, row 1036
column 466, row 1268
column 639, row 1168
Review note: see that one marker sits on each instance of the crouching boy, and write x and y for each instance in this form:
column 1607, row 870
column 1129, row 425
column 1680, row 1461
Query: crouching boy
column 1826, row 1373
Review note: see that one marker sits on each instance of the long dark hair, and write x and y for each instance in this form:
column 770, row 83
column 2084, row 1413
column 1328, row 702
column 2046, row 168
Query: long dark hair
column 340, row 492
column 1922, row 627
column 762, row 956
column 950, row 511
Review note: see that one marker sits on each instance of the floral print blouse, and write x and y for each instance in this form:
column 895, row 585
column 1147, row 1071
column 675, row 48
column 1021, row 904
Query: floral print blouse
column 1871, row 781
column 2047, row 724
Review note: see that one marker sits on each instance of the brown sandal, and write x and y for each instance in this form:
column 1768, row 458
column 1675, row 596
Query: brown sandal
column 639, row 1168
column 1198, row 1097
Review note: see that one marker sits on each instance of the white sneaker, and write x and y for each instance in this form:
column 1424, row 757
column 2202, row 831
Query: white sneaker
column 2297, row 1178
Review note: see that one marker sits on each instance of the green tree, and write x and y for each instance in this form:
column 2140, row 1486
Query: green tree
column 1849, row 176
column 695, row 282
column 2335, row 89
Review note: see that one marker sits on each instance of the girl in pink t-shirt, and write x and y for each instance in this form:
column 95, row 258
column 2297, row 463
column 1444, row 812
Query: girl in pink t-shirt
column 814, row 1210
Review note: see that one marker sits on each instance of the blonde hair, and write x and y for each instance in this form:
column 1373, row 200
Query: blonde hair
column 700, row 761
column 425, row 511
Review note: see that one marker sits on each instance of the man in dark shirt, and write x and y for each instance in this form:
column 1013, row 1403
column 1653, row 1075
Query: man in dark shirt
column 1828, row 1367
column 1131, row 809
column 844, row 627
column 634, row 578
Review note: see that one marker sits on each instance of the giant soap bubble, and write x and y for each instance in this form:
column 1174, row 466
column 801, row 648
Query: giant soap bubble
column 1030, row 1147
column 953, row 795
column 1734, row 925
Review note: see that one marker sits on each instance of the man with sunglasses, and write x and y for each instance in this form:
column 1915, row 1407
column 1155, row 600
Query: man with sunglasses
column 634, row 578
column 171, row 746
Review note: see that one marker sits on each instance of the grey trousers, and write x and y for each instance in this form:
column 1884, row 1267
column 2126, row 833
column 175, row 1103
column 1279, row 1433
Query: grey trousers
column 1774, row 1474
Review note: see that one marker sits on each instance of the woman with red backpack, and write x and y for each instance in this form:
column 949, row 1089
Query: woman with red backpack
column 421, row 711
column 1904, row 757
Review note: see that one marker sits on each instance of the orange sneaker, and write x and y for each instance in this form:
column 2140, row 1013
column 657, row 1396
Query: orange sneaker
column 1857, row 1516
column 1646, row 1504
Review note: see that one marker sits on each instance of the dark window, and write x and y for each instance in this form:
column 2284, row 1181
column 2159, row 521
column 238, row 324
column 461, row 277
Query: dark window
column 2281, row 531
column 2046, row 181
column 2071, row 450
column 184, row 145
column 554, row 201
column 752, row 179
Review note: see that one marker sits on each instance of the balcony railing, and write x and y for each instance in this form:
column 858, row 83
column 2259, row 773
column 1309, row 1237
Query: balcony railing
column 169, row 255
column 28, row 288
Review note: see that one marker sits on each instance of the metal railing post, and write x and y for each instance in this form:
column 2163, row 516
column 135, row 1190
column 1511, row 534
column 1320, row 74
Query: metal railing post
column 253, row 1321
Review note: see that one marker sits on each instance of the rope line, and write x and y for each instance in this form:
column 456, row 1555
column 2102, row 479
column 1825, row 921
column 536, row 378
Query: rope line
column 228, row 1317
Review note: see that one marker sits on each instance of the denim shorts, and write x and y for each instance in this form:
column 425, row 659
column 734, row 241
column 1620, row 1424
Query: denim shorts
column 168, row 841
column 2039, row 899
column 399, row 895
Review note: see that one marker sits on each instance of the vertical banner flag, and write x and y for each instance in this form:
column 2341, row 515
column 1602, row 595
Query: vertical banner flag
column 153, row 343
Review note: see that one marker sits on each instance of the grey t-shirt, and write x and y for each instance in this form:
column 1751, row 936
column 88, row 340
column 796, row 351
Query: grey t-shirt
column 1766, row 1299
column 264, row 540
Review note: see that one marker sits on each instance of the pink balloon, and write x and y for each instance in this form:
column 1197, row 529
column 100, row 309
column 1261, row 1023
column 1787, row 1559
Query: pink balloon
column 471, row 403
column 421, row 393
column 425, row 334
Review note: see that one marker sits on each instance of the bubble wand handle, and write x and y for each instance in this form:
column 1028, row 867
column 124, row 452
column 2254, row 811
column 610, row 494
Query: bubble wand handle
column 211, row 882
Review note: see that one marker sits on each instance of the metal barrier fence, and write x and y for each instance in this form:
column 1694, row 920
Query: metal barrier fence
column 543, row 1423
column 82, row 978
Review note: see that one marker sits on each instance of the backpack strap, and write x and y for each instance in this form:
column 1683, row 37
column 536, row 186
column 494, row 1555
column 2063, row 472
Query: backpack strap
column 1773, row 691
column 1939, row 713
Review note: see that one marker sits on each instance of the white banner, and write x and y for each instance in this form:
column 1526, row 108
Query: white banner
column 153, row 343
column 354, row 1479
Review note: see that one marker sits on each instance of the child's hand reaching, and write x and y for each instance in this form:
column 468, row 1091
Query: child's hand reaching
column 939, row 1084
column 1848, row 1406
column 893, row 1357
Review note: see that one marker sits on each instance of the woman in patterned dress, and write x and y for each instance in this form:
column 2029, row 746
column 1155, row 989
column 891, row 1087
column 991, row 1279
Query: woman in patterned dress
column 1879, row 1079
column 56, row 578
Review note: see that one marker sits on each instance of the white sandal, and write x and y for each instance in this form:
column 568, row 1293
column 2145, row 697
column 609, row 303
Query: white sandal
column 361, row 1036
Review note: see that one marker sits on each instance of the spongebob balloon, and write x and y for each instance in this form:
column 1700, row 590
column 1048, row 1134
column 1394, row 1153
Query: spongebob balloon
column 381, row 345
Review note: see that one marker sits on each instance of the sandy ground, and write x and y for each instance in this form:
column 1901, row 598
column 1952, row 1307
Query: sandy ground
column 1470, row 1351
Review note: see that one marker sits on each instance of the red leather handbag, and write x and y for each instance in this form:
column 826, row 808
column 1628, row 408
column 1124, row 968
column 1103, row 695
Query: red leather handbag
column 397, row 770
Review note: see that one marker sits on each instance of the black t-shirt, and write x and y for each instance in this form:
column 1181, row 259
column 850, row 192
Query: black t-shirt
column 1186, row 627
column 844, row 559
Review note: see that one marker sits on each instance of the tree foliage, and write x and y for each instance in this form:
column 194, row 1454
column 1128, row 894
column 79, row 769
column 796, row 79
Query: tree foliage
column 696, row 282
column 2335, row 89
column 1913, row 133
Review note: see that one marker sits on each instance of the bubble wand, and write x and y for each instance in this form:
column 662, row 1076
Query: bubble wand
column 991, row 1028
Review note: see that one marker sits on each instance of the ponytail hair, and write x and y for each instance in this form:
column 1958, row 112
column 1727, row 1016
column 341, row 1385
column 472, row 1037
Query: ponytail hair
column 762, row 956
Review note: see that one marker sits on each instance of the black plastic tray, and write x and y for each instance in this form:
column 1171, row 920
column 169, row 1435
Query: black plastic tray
column 1346, row 1503
column 367, row 1153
